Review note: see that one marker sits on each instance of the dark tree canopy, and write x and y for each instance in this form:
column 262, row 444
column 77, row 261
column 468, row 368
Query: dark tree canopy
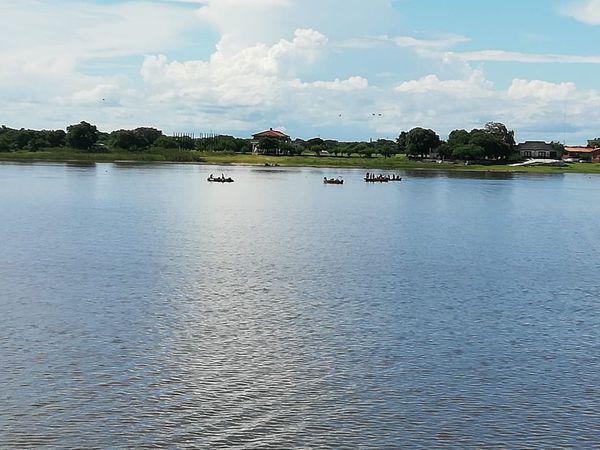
column 269, row 144
column 467, row 152
column 594, row 143
column 420, row 142
column 165, row 142
column 494, row 142
column 316, row 145
column 458, row 137
column 385, row 147
column 31, row 140
column 500, row 131
column 130, row 140
column 149, row 134
column 401, row 141
column 494, row 147
column 82, row 136
column 223, row 143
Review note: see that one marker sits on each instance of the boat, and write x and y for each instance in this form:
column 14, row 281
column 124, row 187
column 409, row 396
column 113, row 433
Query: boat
column 372, row 178
column 221, row 179
column 337, row 180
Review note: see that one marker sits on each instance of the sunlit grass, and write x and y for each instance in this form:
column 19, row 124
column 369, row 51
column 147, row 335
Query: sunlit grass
column 354, row 161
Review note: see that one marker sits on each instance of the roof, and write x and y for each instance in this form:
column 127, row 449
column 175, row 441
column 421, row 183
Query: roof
column 581, row 149
column 534, row 144
column 271, row 133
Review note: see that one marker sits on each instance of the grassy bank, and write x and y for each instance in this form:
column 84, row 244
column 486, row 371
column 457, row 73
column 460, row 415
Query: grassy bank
column 375, row 163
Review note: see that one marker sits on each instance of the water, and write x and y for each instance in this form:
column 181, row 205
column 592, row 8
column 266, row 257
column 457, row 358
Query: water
column 142, row 306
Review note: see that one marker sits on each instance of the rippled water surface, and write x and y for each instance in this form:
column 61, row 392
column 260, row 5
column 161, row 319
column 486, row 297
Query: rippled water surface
column 142, row 306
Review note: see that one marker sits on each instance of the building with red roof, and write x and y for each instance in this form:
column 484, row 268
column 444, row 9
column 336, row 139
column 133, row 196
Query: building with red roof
column 270, row 133
column 585, row 154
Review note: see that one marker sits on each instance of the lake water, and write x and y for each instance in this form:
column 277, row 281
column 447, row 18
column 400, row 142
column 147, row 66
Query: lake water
column 142, row 306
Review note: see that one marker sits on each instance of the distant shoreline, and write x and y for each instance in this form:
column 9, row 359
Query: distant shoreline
column 326, row 162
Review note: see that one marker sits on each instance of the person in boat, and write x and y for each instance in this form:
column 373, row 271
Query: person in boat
column 211, row 177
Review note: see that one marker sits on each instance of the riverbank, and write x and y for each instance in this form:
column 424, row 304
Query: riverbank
column 374, row 163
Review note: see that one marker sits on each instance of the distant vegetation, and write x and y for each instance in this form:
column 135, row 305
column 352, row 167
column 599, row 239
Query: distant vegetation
column 492, row 144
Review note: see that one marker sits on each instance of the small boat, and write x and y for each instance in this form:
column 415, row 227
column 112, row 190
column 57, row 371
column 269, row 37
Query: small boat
column 221, row 179
column 372, row 178
column 337, row 180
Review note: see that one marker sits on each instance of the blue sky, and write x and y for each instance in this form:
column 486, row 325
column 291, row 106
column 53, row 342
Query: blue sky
column 343, row 69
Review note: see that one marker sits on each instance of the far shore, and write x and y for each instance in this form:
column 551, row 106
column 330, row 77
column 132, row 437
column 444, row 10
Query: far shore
column 329, row 162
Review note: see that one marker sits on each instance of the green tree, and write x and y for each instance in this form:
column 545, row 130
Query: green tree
column 332, row 146
column 386, row 148
column 149, row 134
column 269, row 145
column 402, row 142
column 316, row 145
column 458, row 137
column 82, row 136
column 55, row 138
column 467, row 152
column 367, row 150
column 445, row 150
column 594, row 143
column 558, row 147
column 421, row 142
column 494, row 147
column 165, row 142
column 500, row 131
column 287, row 148
column 130, row 140
column 185, row 142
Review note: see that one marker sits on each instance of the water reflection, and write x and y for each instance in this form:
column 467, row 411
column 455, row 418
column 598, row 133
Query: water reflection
column 147, row 307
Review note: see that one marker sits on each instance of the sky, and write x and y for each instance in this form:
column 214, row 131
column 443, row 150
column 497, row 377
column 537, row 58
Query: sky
column 336, row 69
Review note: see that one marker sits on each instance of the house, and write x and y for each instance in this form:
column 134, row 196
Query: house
column 270, row 133
column 539, row 150
column 584, row 154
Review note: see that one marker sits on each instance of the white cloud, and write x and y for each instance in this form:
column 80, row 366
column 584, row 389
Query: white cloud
column 474, row 85
column 43, row 29
column 351, row 84
column 267, row 69
column 248, row 22
column 586, row 11
column 542, row 90
column 410, row 42
column 429, row 44
column 531, row 58
column 250, row 77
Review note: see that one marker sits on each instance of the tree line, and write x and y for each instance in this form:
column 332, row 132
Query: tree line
column 86, row 137
column 492, row 142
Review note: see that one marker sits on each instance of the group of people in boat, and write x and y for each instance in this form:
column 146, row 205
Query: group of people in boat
column 381, row 178
column 369, row 177
column 221, row 179
column 333, row 180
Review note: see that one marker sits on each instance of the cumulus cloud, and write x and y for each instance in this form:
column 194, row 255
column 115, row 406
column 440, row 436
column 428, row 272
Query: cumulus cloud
column 474, row 85
column 586, row 11
column 307, row 65
column 542, row 90
column 253, row 76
